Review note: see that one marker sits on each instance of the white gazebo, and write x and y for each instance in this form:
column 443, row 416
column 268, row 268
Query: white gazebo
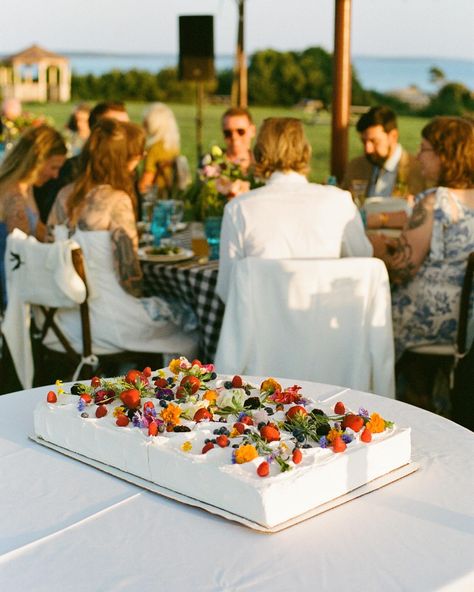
column 36, row 74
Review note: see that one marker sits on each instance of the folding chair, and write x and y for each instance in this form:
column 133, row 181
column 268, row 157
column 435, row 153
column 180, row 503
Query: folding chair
column 49, row 277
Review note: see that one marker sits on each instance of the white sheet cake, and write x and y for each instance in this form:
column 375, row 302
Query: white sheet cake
column 264, row 453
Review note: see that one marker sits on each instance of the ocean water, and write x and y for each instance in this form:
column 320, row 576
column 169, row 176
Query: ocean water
column 381, row 74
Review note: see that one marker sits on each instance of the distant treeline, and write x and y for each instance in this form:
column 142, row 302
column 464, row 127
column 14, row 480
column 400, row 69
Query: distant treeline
column 274, row 78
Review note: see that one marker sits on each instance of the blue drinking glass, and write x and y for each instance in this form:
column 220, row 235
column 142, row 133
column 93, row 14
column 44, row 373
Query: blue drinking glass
column 160, row 223
column 212, row 228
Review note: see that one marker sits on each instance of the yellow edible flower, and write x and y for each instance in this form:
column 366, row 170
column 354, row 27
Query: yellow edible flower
column 333, row 434
column 245, row 453
column 186, row 446
column 161, row 373
column 376, row 423
column 60, row 389
column 119, row 411
column 174, row 366
column 171, row 414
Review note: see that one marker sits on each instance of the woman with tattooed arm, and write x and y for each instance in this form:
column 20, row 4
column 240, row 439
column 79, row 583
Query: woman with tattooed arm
column 99, row 210
column 427, row 262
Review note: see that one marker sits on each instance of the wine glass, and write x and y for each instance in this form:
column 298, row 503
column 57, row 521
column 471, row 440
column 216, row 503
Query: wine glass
column 176, row 215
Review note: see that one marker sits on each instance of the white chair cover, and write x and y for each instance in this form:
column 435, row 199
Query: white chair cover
column 36, row 273
column 324, row 320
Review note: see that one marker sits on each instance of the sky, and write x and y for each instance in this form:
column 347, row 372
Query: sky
column 383, row 28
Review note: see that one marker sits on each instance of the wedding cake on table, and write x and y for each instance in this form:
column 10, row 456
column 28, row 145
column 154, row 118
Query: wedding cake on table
column 263, row 453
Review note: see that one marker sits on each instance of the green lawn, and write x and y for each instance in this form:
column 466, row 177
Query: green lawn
column 319, row 134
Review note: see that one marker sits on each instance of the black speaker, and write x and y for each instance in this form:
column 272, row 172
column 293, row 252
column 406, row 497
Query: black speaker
column 196, row 48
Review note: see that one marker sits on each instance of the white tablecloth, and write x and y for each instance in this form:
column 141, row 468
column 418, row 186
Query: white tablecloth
column 65, row 526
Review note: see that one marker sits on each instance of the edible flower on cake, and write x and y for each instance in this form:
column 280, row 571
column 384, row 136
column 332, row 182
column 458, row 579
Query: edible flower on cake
column 171, row 416
column 244, row 454
column 377, row 424
column 232, row 401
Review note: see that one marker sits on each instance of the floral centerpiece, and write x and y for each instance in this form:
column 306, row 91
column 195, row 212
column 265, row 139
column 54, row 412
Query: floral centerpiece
column 219, row 180
column 11, row 129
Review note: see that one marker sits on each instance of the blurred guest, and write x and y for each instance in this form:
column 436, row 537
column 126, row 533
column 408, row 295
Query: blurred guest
column 99, row 208
column 78, row 128
column 110, row 109
column 163, row 148
column 46, row 194
column 386, row 169
column 289, row 217
column 239, row 130
column 35, row 159
column 12, row 123
column 428, row 261
column 11, row 109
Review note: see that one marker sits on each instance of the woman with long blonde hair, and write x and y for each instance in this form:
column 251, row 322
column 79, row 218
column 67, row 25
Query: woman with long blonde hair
column 163, row 145
column 36, row 157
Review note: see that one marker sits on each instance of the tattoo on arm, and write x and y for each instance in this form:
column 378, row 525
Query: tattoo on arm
column 418, row 216
column 16, row 216
column 400, row 266
column 126, row 264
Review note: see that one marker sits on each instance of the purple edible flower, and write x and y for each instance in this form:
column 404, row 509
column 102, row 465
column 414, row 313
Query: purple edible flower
column 163, row 392
column 81, row 404
column 363, row 412
column 233, row 457
column 150, row 412
column 137, row 419
column 347, row 438
column 323, row 442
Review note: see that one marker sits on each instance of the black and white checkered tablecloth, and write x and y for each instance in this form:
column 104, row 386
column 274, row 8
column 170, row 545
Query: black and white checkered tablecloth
column 195, row 284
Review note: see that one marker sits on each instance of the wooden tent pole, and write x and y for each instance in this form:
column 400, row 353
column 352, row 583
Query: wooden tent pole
column 239, row 84
column 341, row 92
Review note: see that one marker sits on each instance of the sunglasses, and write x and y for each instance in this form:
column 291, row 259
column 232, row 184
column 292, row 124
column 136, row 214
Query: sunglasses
column 228, row 133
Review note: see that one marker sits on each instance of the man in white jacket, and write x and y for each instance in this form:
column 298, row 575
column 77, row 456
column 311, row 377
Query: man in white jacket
column 288, row 218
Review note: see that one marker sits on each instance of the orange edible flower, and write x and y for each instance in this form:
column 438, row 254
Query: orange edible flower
column 210, row 396
column 333, row 434
column 245, row 453
column 171, row 414
column 270, row 384
column 376, row 423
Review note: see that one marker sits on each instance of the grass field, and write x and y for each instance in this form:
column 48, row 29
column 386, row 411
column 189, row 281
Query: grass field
column 319, row 134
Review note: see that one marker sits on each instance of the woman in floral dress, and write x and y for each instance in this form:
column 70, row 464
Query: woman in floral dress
column 427, row 262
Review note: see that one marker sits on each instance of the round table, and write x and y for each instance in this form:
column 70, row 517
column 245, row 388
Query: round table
column 67, row 526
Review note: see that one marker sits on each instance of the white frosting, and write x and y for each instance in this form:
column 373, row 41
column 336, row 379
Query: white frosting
column 212, row 478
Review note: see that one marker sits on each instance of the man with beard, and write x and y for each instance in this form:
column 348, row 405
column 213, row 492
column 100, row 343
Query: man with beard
column 385, row 169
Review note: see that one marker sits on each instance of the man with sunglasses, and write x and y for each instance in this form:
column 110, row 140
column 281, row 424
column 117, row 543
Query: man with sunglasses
column 239, row 130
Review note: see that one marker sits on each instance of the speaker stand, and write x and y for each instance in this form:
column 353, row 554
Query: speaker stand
column 199, row 118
